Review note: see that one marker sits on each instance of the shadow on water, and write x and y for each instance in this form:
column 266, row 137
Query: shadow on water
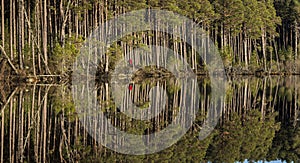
column 39, row 123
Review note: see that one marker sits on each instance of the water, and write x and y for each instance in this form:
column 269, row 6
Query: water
column 40, row 123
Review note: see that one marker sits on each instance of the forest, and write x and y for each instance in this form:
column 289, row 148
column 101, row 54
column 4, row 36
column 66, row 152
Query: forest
column 44, row 37
column 41, row 41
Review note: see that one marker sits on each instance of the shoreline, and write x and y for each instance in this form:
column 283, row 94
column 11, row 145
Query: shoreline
column 105, row 77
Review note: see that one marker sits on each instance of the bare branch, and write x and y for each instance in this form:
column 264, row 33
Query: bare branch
column 9, row 61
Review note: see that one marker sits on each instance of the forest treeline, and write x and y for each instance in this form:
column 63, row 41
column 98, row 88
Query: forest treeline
column 44, row 37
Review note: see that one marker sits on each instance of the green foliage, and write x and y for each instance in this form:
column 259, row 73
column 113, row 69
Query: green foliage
column 227, row 56
column 242, row 138
column 114, row 53
column 64, row 55
column 286, row 92
column 269, row 17
column 286, row 144
column 62, row 103
column 134, row 4
column 201, row 11
column 173, row 86
column 254, row 59
column 231, row 14
column 168, row 5
column 252, row 22
column 229, row 92
column 288, row 10
column 286, row 55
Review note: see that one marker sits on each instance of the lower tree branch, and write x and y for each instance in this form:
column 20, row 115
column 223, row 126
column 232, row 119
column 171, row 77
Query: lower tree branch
column 9, row 61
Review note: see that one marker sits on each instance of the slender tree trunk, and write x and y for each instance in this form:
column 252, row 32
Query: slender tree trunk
column 14, row 25
column 76, row 21
column 37, row 31
column 263, row 40
column 2, row 22
column 276, row 53
column 21, row 33
column 107, row 29
column 222, row 36
column 45, row 43
column 296, row 40
column 63, row 24
column 263, row 99
column 11, row 29
column 246, row 53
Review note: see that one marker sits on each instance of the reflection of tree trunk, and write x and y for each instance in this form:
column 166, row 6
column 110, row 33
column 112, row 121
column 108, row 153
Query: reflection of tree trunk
column 37, row 129
column 157, row 102
column 295, row 103
column 245, row 95
column 14, row 134
column 21, row 128
column 2, row 135
column 63, row 134
column 44, row 128
column 61, row 142
column 275, row 95
column 11, row 136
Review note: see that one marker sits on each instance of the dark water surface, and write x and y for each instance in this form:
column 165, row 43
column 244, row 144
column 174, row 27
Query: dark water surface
column 40, row 123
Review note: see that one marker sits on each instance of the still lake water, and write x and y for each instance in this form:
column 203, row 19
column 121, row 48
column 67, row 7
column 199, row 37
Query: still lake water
column 40, row 123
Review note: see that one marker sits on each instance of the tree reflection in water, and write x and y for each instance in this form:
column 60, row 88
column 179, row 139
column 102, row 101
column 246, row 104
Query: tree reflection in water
column 39, row 123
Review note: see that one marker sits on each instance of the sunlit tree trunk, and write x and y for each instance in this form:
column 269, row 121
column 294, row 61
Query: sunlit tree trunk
column 21, row 33
column 11, row 29
column 263, row 99
column 2, row 22
column 296, row 40
column 263, row 46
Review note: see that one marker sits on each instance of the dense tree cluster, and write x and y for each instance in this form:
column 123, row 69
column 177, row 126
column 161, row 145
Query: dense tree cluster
column 251, row 34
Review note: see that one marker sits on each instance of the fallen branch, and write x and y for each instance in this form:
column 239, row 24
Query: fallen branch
column 9, row 61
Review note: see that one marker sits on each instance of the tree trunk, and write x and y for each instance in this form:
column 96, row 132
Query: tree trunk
column 11, row 29
column 2, row 22
column 296, row 40
column 263, row 44
column 45, row 34
column 21, row 33
column 246, row 53
column 263, row 99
